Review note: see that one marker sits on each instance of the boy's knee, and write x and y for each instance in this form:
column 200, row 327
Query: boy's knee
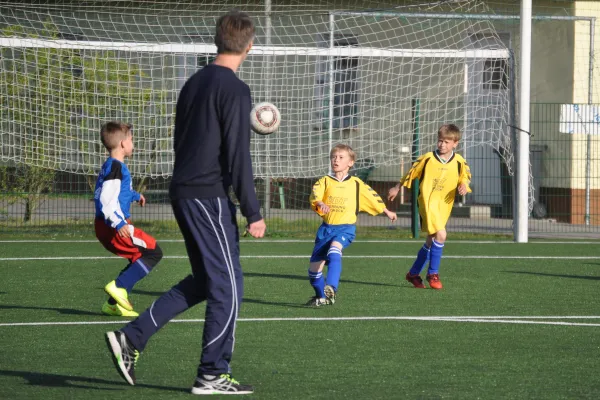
column 337, row 245
column 316, row 266
column 152, row 256
column 440, row 236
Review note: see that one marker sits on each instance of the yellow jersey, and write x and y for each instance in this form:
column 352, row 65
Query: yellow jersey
column 345, row 198
column 438, row 181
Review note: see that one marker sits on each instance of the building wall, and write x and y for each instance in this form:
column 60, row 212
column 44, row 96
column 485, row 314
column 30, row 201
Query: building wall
column 581, row 147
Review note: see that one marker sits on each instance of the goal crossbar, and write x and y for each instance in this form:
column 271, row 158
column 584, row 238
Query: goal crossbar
column 199, row 48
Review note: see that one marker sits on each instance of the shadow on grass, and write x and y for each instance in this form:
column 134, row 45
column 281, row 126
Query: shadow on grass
column 594, row 264
column 81, row 382
column 591, row 278
column 305, row 278
column 148, row 293
column 272, row 303
column 67, row 311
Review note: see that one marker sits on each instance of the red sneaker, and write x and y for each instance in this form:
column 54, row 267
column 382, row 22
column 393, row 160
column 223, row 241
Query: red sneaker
column 415, row 280
column 434, row 281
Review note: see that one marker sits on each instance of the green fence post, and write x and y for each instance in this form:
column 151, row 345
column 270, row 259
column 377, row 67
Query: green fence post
column 414, row 209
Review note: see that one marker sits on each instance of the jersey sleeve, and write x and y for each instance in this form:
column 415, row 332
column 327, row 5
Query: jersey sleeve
column 109, row 197
column 317, row 193
column 465, row 175
column 368, row 200
column 416, row 171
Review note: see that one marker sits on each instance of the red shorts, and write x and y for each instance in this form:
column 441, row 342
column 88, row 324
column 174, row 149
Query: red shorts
column 130, row 248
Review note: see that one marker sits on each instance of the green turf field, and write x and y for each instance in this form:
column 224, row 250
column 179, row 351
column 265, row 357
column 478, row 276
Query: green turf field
column 514, row 321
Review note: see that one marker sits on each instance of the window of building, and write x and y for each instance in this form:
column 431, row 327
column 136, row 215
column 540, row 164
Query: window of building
column 495, row 70
column 345, row 84
column 495, row 74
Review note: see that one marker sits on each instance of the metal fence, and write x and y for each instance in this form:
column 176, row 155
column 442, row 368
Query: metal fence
column 564, row 166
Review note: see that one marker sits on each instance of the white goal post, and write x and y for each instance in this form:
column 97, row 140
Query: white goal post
column 15, row 42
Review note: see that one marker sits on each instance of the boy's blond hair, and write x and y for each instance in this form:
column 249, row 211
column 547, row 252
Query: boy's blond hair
column 449, row 131
column 113, row 132
column 343, row 147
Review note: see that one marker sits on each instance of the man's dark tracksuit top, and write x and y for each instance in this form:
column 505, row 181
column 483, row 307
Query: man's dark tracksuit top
column 212, row 140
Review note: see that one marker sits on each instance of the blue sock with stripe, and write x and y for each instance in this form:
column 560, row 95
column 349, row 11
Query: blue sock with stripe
column 317, row 282
column 132, row 275
column 334, row 269
column 436, row 257
column 422, row 257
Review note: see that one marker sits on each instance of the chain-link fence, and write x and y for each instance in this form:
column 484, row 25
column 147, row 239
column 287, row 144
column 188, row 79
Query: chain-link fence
column 563, row 165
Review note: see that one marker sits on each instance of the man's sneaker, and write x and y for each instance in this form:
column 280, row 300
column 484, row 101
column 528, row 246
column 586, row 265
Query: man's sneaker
column 115, row 310
column 222, row 384
column 434, row 281
column 318, row 301
column 119, row 294
column 415, row 280
column 124, row 355
column 330, row 294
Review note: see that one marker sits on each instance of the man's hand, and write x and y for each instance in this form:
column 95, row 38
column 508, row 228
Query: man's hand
column 142, row 200
column 257, row 229
column 124, row 231
column 462, row 189
column 393, row 192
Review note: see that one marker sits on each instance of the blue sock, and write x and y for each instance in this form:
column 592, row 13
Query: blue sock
column 436, row 257
column 334, row 269
column 421, row 261
column 317, row 282
column 132, row 274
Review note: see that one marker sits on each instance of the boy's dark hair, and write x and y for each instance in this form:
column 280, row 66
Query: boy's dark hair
column 449, row 131
column 235, row 30
column 113, row 132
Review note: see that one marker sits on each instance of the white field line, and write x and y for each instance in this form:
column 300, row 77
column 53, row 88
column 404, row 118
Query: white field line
column 499, row 257
column 260, row 241
column 537, row 320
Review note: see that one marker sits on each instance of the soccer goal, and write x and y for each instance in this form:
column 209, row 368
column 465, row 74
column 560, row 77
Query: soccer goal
column 380, row 79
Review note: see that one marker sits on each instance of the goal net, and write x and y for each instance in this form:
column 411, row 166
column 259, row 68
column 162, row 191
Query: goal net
column 381, row 77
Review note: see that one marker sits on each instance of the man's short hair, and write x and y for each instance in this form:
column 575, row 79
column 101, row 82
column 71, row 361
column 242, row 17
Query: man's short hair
column 343, row 147
column 113, row 132
column 449, row 131
column 235, row 31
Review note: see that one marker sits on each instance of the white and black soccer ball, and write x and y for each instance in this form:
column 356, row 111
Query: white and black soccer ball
column 265, row 118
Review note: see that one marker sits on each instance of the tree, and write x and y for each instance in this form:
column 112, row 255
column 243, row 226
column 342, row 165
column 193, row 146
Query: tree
column 55, row 100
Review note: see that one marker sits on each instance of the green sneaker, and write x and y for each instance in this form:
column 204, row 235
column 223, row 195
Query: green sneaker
column 330, row 294
column 119, row 294
column 115, row 310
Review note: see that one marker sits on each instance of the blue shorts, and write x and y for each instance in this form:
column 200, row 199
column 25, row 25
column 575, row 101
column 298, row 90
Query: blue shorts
column 326, row 234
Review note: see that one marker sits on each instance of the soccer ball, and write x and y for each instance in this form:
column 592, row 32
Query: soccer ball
column 265, row 118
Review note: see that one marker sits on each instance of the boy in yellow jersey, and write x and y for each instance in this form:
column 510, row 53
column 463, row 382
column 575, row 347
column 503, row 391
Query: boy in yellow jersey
column 441, row 174
column 338, row 198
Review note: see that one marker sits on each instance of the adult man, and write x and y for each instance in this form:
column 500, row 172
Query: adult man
column 212, row 153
